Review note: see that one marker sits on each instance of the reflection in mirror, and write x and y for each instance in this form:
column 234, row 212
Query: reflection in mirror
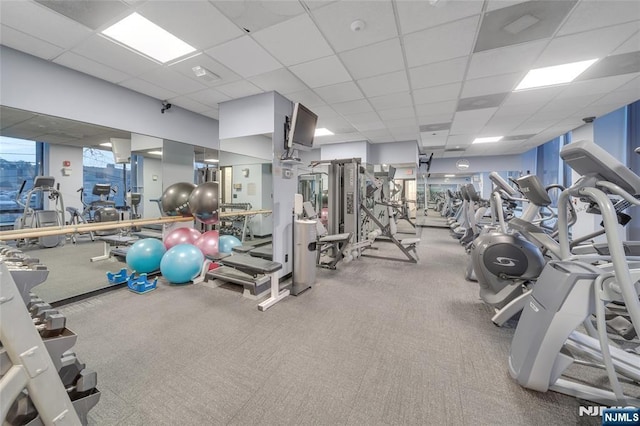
column 246, row 183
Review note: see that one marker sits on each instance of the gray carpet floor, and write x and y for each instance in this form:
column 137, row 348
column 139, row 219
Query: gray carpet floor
column 374, row 342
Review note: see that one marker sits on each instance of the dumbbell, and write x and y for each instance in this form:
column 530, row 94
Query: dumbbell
column 33, row 299
column 71, row 368
column 51, row 324
column 22, row 410
column 87, row 381
column 36, row 308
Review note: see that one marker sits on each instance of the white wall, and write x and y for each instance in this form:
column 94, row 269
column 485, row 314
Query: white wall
column 33, row 84
column 393, row 153
column 256, row 189
column 258, row 146
column 500, row 163
column 252, row 115
column 345, row 150
column 177, row 163
column 69, row 185
column 151, row 189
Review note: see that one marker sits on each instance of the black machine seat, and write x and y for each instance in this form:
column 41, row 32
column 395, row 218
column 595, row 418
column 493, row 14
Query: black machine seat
column 533, row 189
column 248, row 264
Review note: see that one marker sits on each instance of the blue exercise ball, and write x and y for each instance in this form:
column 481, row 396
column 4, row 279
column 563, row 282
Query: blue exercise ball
column 144, row 256
column 226, row 243
column 181, row 263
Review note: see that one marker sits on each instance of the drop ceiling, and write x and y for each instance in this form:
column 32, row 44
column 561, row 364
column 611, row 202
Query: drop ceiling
column 438, row 72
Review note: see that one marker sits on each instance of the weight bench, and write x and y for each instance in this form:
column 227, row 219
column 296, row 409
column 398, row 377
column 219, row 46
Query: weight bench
column 113, row 240
column 257, row 273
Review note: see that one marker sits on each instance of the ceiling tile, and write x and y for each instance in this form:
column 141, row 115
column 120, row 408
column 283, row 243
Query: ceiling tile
column 438, row 119
column 595, row 86
column 377, row 136
column 404, row 123
column 308, row 98
column 336, row 124
column 503, row 125
column 487, row 85
column 239, row 89
column 209, row 97
column 335, row 21
column 529, row 101
column 294, row 41
column 92, row 14
column 587, row 45
column 87, row 66
column 108, row 53
column 321, row 72
column 385, row 84
column 196, row 22
column 379, row 58
column 352, row 107
column 418, row 15
column 169, row 79
column 499, row 4
column 213, row 113
column 466, row 122
column 149, row 89
column 256, row 15
column 426, row 47
column 25, row 43
column 364, row 118
column 185, row 68
column 481, row 102
column 445, row 92
column 631, row 45
column 437, row 74
column 445, row 107
column 254, row 59
column 280, row 80
column 533, row 20
column 370, row 126
column 189, row 104
column 594, row 14
column 341, row 92
column 627, row 63
column 324, row 111
column 41, row 22
column 395, row 100
column 505, row 60
column 392, row 114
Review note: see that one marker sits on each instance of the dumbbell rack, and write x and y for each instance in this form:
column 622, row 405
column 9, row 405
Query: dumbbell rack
column 39, row 375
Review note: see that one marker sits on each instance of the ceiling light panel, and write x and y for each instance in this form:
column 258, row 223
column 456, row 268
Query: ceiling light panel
column 294, row 41
column 554, row 75
column 520, row 23
column 426, row 47
column 142, row 35
column 196, row 22
column 487, row 139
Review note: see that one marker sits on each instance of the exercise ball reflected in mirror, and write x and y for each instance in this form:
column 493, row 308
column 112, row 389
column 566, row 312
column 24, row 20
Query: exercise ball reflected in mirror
column 203, row 203
column 175, row 199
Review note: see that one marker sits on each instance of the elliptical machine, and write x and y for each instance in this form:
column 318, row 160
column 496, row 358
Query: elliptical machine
column 32, row 218
column 101, row 210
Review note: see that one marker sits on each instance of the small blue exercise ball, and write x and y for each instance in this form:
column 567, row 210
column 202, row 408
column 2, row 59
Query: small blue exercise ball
column 144, row 256
column 181, row 263
column 226, row 243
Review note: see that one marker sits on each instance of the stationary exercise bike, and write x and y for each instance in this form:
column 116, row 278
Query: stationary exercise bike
column 32, row 218
column 101, row 210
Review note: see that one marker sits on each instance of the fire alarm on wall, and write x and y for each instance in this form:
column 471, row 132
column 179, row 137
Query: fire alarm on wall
column 66, row 163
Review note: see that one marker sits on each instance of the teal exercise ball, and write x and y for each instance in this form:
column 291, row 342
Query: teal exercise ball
column 144, row 256
column 181, row 263
column 226, row 243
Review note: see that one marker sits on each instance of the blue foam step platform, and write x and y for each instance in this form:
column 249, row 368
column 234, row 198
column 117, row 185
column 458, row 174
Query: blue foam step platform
column 118, row 277
column 141, row 284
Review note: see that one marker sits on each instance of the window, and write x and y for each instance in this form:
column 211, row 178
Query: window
column 99, row 167
column 20, row 160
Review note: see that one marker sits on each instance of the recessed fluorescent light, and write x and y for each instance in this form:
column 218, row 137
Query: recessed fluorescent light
column 323, row 132
column 144, row 36
column 487, row 139
column 211, row 160
column 557, row 74
column 107, row 144
column 449, row 175
column 155, row 152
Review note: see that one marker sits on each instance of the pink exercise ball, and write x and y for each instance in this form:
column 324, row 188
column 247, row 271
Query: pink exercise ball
column 208, row 243
column 181, row 236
